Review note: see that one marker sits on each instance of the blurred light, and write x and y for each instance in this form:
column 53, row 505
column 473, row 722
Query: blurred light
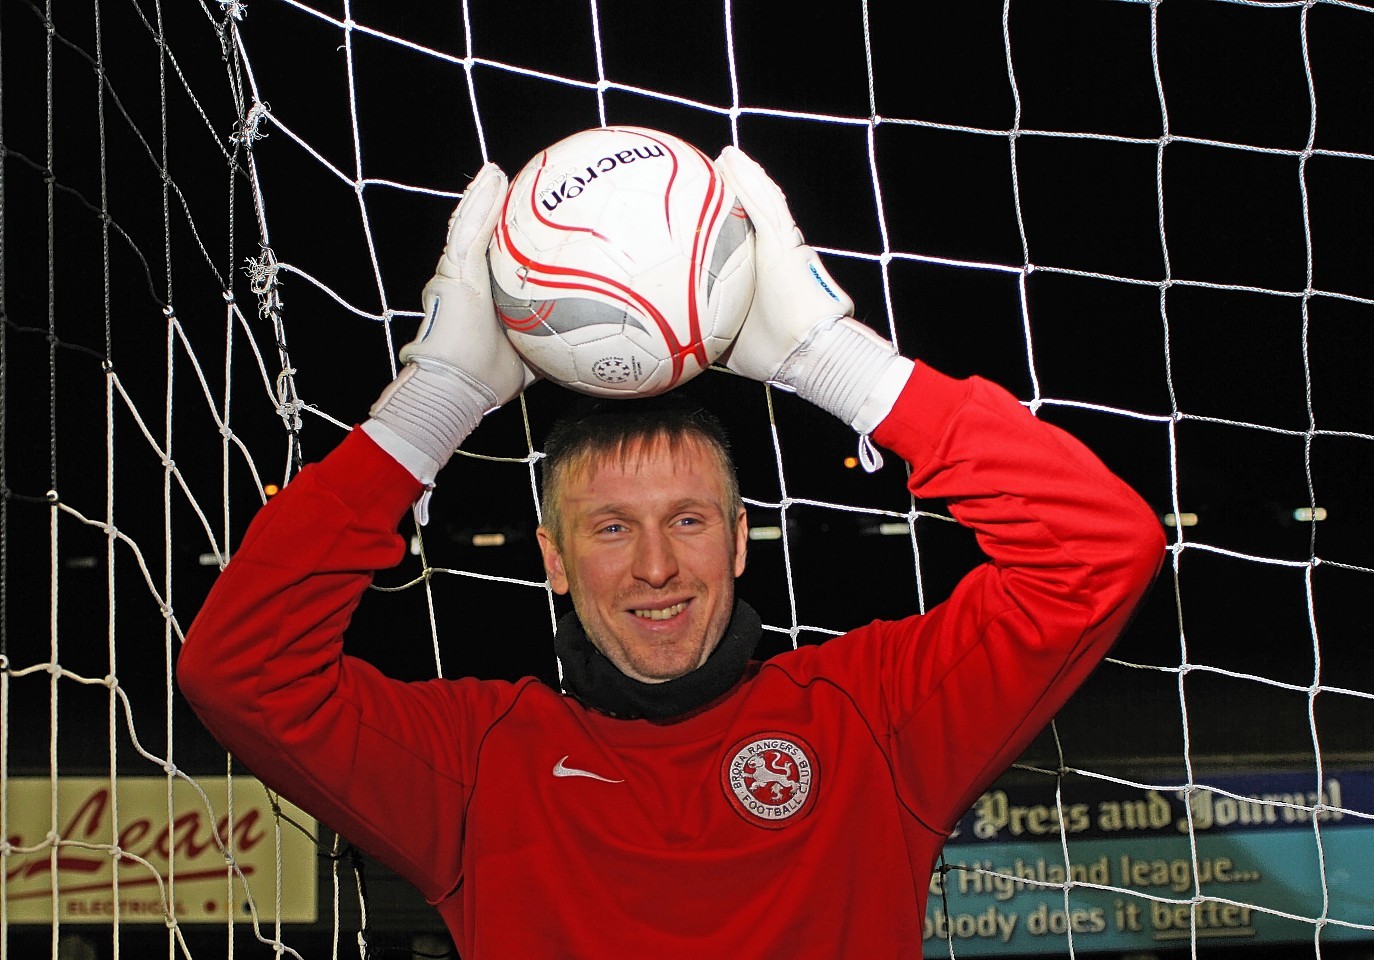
column 415, row 545
column 894, row 529
column 765, row 533
column 1180, row 520
column 851, row 462
column 208, row 560
column 488, row 539
column 1306, row 514
column 271, row 489
column 79, row 563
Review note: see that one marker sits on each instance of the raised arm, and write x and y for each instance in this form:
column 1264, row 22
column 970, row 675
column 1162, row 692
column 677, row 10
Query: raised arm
column 953, row 696
column 1071, row 551
column 263, row 664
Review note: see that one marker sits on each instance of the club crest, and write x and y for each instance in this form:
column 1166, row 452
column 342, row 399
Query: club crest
column 770, row 778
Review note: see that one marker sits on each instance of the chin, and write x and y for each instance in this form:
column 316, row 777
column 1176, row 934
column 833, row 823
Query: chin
column 660, row 674
column 661, row 669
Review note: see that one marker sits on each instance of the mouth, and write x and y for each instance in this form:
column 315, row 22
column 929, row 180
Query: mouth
column 664, row 613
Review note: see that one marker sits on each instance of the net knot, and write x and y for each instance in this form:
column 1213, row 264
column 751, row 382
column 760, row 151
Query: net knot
column 248, row 130
column 52, row 497
column 234, row 9
column 288, row 405
column 262, row 280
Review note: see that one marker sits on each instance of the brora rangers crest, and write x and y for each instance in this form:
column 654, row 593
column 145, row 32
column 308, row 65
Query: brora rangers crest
column 770, row 778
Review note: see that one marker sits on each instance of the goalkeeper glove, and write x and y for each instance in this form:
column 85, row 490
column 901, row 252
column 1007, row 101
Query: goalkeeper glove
column 798, row 333
column 460, row 366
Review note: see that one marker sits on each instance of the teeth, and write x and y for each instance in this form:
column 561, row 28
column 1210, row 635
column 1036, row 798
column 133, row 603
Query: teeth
column 663, row 614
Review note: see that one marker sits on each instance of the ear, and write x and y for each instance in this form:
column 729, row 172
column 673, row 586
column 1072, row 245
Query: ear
column 741, row 541
column 553, row 562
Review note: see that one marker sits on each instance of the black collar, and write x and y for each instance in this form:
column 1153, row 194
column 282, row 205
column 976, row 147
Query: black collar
column 599, row 685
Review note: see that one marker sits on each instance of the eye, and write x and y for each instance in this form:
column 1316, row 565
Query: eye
column 613, row 528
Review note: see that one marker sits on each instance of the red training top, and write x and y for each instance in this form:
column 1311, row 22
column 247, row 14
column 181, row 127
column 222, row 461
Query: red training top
column 800, row 816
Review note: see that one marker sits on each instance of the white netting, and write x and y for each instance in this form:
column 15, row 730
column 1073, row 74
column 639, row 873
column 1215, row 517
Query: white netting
column 1149, row 220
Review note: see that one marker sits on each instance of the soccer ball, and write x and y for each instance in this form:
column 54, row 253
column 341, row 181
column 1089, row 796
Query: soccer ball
column 622, row 264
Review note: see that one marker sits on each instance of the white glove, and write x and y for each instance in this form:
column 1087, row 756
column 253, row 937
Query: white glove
column 460, row 366
column 799, row 333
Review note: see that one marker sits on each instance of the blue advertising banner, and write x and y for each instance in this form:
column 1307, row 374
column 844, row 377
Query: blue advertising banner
column 1239, row 861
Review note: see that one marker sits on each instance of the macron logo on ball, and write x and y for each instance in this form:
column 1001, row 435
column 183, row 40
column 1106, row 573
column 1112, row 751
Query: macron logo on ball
column 571, row 185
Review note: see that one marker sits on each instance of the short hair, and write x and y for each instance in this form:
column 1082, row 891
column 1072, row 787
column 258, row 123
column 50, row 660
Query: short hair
column 618, row 428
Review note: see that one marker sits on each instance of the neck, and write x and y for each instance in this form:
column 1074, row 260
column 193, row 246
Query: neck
column 599, row 685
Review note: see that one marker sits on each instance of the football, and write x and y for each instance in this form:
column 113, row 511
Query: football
column 622, row 265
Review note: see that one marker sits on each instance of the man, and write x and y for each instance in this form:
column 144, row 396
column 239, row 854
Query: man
column 679, row 800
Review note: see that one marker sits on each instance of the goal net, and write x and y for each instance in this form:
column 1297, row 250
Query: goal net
column 1148, row 220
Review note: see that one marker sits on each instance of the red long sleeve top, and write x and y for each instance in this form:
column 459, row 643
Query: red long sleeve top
column 800, row 816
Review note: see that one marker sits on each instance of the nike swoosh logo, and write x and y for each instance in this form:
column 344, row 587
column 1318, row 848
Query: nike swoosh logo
column 559, row 770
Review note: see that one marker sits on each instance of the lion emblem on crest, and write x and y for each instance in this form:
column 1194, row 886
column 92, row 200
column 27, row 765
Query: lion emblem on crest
column 770, row 778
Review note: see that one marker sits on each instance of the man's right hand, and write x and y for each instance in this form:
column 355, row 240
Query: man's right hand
column 460, row 366
column 460, row 329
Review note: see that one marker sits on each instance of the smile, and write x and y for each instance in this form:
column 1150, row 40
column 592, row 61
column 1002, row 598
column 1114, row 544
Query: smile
column 663, row 614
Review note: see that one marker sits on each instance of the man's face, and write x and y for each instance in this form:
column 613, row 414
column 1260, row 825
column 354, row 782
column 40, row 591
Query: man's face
column 649, row 557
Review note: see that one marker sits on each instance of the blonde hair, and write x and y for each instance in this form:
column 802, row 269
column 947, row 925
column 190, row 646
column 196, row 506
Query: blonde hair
column 623, row 431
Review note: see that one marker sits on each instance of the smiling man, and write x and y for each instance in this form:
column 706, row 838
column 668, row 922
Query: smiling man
column 647, row 535
column 676, row 798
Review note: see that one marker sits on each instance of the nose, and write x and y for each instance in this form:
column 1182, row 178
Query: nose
column 655, row 561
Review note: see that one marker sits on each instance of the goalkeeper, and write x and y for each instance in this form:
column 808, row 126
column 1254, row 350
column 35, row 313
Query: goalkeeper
column 680, row 799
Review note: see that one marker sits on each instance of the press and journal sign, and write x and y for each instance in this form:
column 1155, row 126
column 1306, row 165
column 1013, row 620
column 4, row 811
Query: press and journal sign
column 128, row 852
column 1254, row 860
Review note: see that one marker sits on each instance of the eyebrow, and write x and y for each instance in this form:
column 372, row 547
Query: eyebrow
column 622, row 508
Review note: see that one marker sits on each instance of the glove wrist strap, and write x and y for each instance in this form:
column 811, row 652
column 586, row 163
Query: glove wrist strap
column 426, row 412
column 847, row 370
